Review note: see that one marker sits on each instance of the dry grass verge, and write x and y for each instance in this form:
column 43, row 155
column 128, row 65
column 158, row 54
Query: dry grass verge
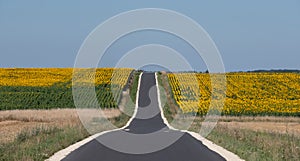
column 37, row 134
column 13, row 122
column 266, row 138
column 282, row 125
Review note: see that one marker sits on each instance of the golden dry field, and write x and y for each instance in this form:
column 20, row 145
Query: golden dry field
column 13, row 122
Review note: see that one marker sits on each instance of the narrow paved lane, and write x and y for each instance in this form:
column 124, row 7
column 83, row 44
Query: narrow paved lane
column 146, row 133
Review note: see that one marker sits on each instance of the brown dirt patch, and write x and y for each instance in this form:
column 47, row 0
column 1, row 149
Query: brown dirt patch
column 10, row 129
column 12, row 122
column 277, row 127
column 270, row 124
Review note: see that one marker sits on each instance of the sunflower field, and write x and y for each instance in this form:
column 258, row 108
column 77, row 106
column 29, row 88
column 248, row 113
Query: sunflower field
column 46, row 88
column 276, row 94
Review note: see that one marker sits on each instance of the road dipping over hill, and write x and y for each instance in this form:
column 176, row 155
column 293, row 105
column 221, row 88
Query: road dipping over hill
column 145, row 138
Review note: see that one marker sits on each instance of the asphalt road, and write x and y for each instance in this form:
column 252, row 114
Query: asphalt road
column 146, row 138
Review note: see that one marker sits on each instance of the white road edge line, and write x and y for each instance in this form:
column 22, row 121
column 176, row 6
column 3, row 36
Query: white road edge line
column 136, row 103
column 64, row 152
column 220, row 150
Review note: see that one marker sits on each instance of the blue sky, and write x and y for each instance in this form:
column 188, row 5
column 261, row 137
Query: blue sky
column 249, row 35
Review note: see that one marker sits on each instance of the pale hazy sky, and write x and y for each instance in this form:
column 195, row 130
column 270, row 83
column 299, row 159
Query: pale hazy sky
column 249, row 34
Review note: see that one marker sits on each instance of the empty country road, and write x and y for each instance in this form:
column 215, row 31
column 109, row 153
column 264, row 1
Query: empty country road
column 146, row 138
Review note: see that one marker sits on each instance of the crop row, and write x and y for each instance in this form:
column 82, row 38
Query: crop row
column 244, row 93
column 45, row 88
